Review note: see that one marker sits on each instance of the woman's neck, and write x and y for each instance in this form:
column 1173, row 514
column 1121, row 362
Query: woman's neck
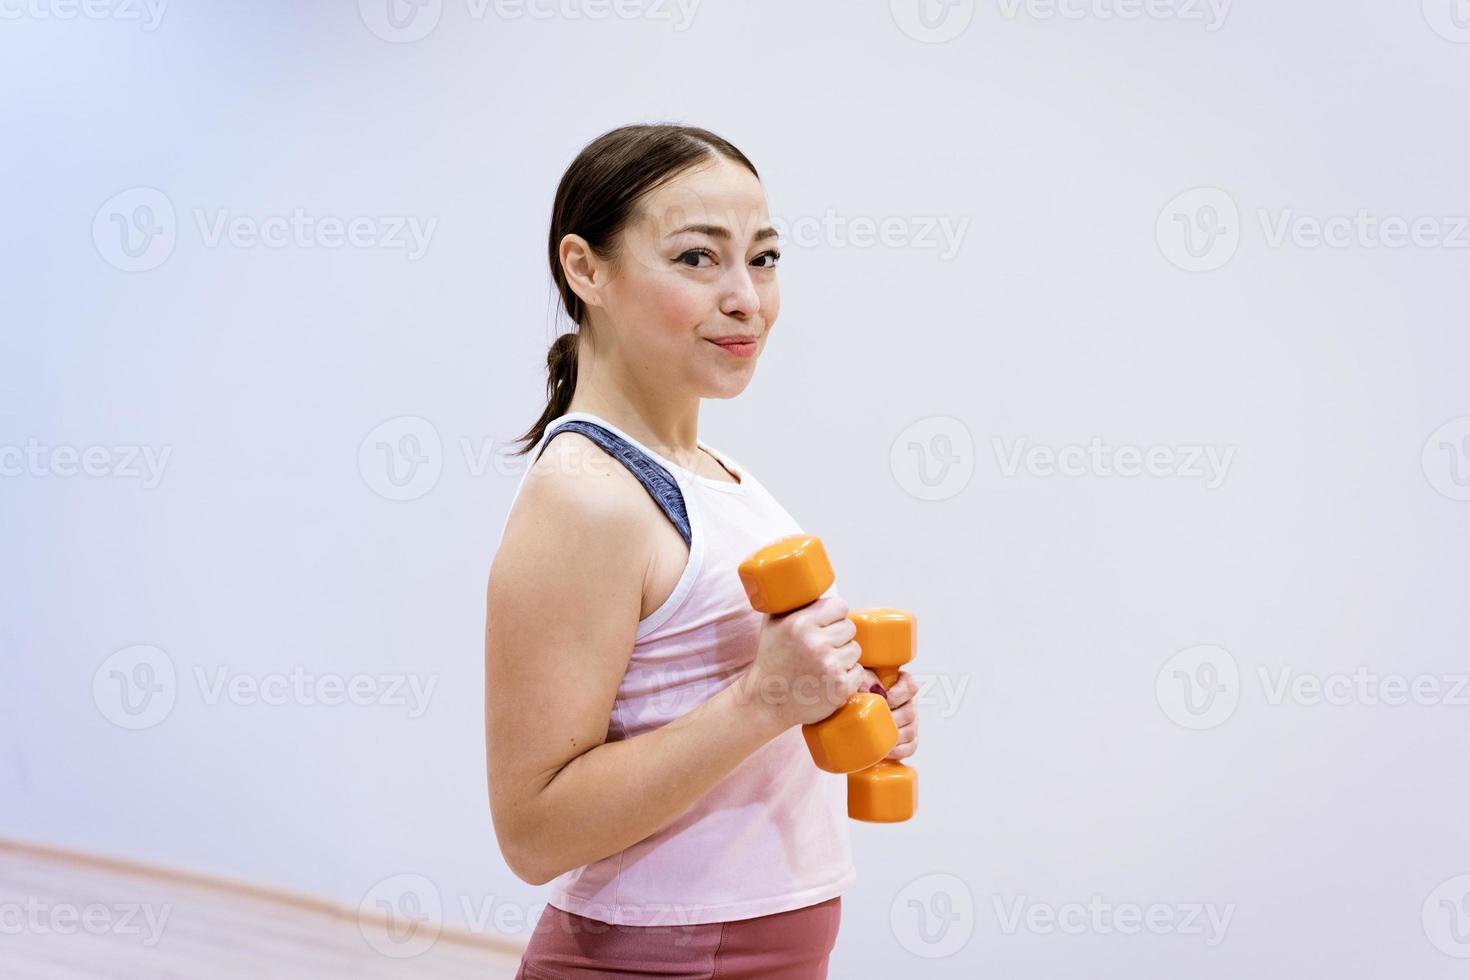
column 669, row 430
column 666, row 422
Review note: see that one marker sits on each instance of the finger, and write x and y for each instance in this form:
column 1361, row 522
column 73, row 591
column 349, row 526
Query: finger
column 853, row 680
column 902, row 691
column 872, row 685
column 828, row 610
column 840, row 631
column 905, row 715
column 902, row 751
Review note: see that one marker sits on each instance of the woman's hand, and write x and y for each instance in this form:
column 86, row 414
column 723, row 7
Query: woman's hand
column 905, row 715
column 806, row 664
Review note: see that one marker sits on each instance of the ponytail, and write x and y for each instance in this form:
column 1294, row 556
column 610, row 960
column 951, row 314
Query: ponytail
column 561, row 383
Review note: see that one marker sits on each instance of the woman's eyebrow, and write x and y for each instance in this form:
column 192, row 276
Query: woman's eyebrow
column 721, row 232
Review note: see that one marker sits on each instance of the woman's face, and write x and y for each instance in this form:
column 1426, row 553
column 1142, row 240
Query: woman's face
column 692, row 294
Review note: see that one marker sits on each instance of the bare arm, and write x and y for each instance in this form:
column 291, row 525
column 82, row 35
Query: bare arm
column 562, row 610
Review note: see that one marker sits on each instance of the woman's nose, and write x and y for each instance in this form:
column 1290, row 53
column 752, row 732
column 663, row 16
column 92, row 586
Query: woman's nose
column 741, row 298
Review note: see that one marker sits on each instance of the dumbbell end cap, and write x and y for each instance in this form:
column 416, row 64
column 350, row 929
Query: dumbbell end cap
column 787, row 574
column 888, row 637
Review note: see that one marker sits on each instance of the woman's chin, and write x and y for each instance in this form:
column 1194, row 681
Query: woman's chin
column 728, row 384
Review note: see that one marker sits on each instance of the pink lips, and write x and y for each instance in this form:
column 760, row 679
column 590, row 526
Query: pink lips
column 739, row 348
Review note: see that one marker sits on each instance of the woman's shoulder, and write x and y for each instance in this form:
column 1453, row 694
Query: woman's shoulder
column 577, row 481
column 575, row 533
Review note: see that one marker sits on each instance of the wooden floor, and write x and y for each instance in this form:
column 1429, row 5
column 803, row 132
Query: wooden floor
column 66, row 916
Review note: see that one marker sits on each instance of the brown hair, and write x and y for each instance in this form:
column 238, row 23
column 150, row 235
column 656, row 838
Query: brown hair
column 595, row 199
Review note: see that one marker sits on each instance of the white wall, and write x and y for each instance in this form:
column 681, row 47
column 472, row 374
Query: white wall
column 1059, row 770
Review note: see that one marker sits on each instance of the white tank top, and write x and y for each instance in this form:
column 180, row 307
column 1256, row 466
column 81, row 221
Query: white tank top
column 773, row 835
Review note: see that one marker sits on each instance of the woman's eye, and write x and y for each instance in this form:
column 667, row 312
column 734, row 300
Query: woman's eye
column 774, row 257
column 695, row 253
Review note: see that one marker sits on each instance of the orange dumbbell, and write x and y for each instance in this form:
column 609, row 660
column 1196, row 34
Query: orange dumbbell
column 794, row 572
column 887, row 792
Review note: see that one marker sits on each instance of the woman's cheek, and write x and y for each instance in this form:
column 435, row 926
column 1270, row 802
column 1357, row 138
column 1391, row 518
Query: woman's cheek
column 680, row 307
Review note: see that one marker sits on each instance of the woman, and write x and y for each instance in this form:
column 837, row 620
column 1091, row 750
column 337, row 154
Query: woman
column 642, row 720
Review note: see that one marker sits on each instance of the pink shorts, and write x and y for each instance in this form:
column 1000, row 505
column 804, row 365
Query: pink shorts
column 790, row 945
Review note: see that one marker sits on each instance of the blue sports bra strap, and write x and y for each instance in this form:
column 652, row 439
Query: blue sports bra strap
column 661, row 486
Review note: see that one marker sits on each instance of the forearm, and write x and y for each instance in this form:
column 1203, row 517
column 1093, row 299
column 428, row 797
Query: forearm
column 619, row 793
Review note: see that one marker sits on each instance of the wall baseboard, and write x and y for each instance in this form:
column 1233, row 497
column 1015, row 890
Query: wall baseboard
column 238, row 888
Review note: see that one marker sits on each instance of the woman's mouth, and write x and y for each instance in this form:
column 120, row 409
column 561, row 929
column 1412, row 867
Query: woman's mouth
column 737, row 346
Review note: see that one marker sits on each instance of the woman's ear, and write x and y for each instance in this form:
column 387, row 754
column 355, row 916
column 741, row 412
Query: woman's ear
column 586, row 274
